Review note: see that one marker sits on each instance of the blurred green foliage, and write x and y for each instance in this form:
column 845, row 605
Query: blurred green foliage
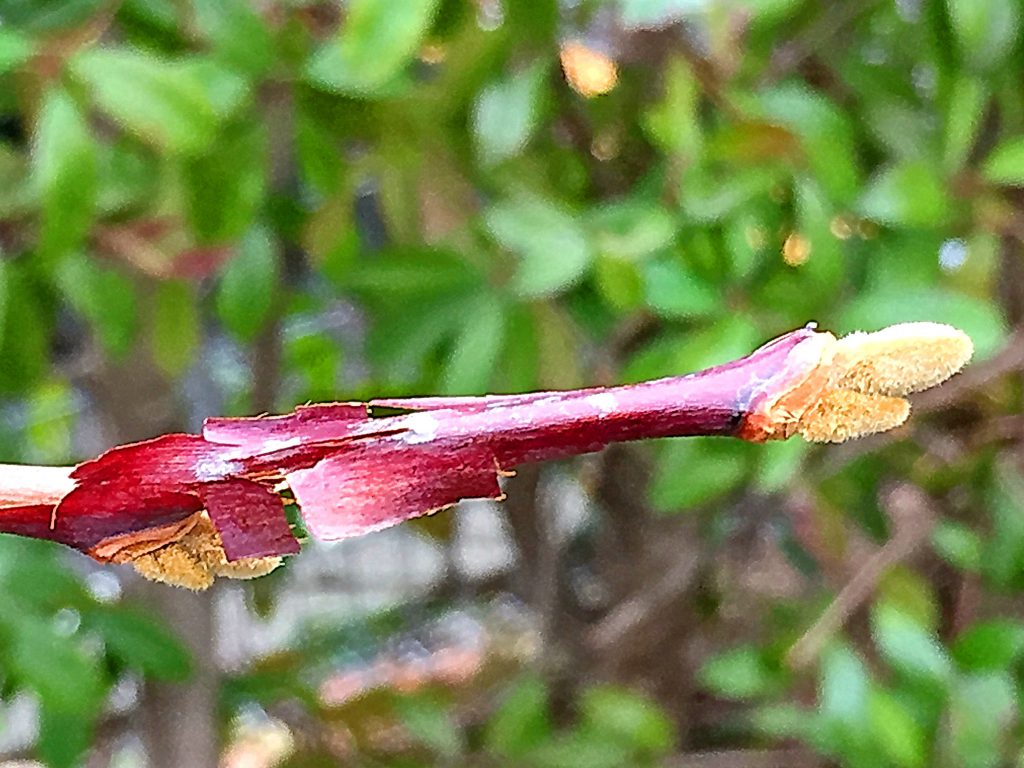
column 60, row 642
column 181, row 178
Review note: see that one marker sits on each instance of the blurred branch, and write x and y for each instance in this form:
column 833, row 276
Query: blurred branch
column 520, row 510
column 831, row 25
column 748, row 758
column 648, row 602
column 913, row 519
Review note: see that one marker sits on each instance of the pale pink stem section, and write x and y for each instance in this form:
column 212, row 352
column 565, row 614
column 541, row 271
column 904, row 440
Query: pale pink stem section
column 24, row 485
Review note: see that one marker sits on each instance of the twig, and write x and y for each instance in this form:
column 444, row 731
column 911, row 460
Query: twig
column 194, row 506
column 914, row 521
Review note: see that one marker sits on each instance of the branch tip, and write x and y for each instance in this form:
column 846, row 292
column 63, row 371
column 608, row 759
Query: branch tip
column 866, row 375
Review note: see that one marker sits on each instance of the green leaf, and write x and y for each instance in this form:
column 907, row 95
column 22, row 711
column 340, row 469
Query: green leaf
column 673, row 123
column 47, row 16
column 14, row 49
column 128, row 178
column 521, row 722
column 225, row 185
column 65, row 679
column 506, row 114
column 4, row 289
column 902, row 128
column 906, row 591
column 908, row 195
column 982, row 709
column 779, row 461
column 987, row 30
column 140, row 642
column 163, row 102
column 631, row 229
column 550, row 242
column 739, row 673
column 978, row 318
column 674, row 291
column 730, row 337
column 958, row 544
column 826, row 137
column 32, row 574
column 964, row 114
column 697, row 470
column 619, row 283
column 520, row 361
column 905, row 260
column 581, row 748
column 248, row 284
column 783, row 721
column 17, row 198
column 824, row 267
column 175, row 332
column 50, row 423
column 64, row 737
column 104, row 296
column 908, row 647
column 896, row 730
column 710, row 198
column 622, row 716
column 843, row 688
column 315, row 358
column 476, row 348
column 990, row 646
column 377, row 40
column 64, row 169
column 431, row 724
column 25, row 343
column 402, row 275
column 151, row 23
column 657, row 13
column 239, row 35
column 1006, row 163
column 402, row 343
column 1003, row 559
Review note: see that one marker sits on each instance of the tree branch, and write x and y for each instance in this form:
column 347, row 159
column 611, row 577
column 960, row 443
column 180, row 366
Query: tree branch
column 186, row 508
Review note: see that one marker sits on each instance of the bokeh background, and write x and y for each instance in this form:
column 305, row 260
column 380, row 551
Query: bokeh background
column 225, row 207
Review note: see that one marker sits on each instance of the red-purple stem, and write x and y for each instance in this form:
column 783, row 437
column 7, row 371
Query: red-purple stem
column 352, row 473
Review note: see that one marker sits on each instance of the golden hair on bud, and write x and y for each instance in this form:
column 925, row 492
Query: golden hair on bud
column 186, row 554
column 902, row 358
column 869, row 372
column 843, row 414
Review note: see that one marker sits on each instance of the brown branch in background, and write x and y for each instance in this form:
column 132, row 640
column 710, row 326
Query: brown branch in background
column 913, row 520
column 636, row 613
column 520, row 509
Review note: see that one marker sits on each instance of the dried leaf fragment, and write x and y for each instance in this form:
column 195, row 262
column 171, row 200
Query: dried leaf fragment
column 191, row 556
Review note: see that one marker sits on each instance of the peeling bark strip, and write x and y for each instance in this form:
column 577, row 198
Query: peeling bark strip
column 186, row 508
